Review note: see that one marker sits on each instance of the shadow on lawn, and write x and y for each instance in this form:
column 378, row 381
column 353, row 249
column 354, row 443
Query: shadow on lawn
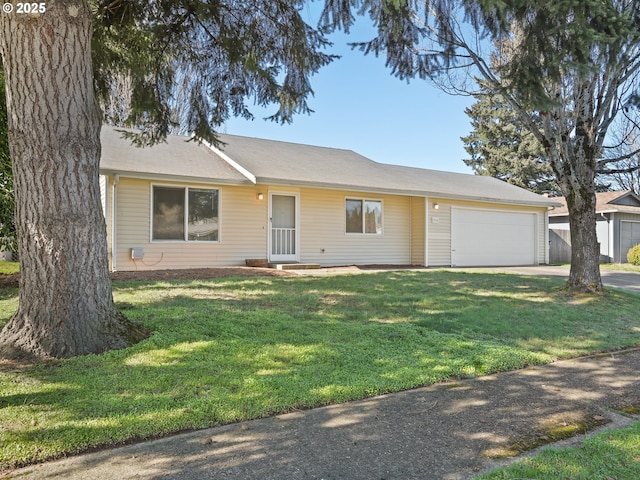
column 230, row 350
column 442, row 431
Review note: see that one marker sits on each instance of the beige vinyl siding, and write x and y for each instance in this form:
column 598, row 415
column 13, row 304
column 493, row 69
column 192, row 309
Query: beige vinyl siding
column 243, row 226
column 322, row 229
column 243, row 229
column 439, row 233
column 323, row 234
column 439, row 230
column 418, row 230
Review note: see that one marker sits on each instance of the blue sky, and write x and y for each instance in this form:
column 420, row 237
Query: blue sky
column 358, row 105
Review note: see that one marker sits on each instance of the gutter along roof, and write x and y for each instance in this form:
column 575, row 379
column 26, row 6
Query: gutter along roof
column 244, row 160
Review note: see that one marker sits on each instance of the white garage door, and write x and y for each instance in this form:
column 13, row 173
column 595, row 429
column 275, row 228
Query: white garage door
column 492, row 238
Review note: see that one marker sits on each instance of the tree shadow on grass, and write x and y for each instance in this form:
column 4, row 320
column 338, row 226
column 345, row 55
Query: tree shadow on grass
column 231, row 350
column 442, row 431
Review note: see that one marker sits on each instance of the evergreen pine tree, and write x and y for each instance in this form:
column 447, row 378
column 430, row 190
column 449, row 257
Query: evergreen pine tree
column 64, row 60
column 500, row 146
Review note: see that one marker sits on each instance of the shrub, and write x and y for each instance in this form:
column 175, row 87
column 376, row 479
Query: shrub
column 633, row 255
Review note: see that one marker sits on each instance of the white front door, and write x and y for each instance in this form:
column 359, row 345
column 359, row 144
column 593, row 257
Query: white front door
column 283, row 221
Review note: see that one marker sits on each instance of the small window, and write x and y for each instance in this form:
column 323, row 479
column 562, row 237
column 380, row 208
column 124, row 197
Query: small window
column 364, row 216
column 168, row 213
column 373, row 217
column 169, row 207
column 203, row 215
column 354, row 216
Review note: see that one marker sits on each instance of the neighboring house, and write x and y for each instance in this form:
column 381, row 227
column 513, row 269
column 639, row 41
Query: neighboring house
column 617, row 227
column 185, row 205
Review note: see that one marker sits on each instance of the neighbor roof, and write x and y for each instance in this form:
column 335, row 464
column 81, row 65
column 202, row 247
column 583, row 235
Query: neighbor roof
column 290, row 164
column 621, row 201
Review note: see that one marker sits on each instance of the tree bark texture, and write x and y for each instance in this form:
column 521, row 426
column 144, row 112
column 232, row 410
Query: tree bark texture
column 571, row 143
column 584, row 274
column 66, row 305
column 581, row 201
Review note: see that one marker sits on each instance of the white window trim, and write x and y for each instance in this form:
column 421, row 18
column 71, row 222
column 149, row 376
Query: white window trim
column 186, row 216
column 363, row 200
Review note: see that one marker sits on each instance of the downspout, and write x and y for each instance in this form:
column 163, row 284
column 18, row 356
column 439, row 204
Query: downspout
column 114, row 217
column 609, row 237
column 547, row 239
column 411, row 230
column 425, row 250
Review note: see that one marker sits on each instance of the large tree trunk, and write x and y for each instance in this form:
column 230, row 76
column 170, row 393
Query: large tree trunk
column 573, row 159
column 580, row 173
column 66, row 306
column 585, row 252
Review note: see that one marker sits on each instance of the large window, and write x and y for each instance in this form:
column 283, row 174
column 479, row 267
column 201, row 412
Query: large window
column 200, row 224
column 364, row 216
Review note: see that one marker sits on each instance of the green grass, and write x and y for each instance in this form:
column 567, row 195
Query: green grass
column 7, row 268
column 234, row 349
column 607, row 456
column 621, row 267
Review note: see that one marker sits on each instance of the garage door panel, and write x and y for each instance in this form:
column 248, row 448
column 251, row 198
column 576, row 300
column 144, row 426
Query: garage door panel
column 492, row 238
column 629, row 236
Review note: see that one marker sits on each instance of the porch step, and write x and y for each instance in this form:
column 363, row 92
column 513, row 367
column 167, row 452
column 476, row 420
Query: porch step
column 294, row 266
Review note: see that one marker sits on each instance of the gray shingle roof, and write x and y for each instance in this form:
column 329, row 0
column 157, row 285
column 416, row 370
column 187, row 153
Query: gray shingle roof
column 291, row 164
column 175, row 160
column 283, row 163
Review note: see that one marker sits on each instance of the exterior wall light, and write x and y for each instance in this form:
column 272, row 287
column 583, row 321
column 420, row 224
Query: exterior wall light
column 260, row 196
column 436, row 206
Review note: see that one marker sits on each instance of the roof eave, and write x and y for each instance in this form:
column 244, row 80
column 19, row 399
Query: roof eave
column 173, row 178
column 388, row 191
column 502, row 201
column 598, row 212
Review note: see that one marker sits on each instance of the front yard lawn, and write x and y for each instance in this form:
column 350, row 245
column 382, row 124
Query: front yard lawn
column 233, row 349
column 620, row 267
column 609, row 455
column 8, row 268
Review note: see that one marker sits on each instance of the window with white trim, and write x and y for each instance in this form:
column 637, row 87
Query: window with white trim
column 199, row 224
column 363, row 216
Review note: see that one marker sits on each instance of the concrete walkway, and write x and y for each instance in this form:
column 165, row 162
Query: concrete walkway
column 443, row 432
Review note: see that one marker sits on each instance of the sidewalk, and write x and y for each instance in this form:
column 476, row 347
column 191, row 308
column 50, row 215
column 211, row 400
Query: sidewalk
column 437, row 432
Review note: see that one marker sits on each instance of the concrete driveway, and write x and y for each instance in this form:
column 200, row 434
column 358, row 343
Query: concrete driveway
column 610, row 278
